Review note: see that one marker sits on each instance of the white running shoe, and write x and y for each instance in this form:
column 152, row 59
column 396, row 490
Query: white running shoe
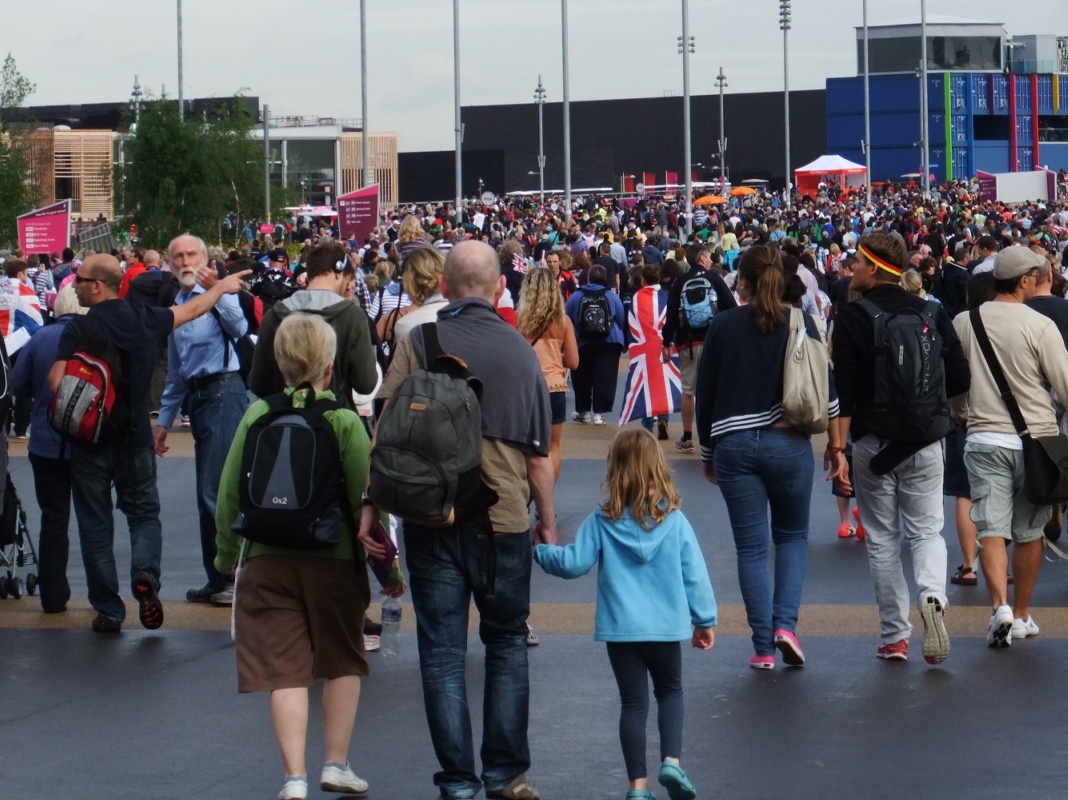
column 343, row 781
column 1023, row 628
column 598, row 419
column 999, row 632
column 294, row 789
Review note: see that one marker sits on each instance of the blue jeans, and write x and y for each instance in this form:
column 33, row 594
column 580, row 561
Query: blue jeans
column 755, row 469
column 132, row 471
column 214, row 414
column 446, row 568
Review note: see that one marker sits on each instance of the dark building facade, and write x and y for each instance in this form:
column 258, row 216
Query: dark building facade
column 612, row 138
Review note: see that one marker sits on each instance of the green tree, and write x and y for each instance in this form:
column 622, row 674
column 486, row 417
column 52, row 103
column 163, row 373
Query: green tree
column 191, row 175
column 18, row 193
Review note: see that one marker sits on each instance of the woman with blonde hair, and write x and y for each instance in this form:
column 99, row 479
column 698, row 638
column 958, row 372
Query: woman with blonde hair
column 298, row 613
column 542, row 321
column 422, row 283
column 410, row 237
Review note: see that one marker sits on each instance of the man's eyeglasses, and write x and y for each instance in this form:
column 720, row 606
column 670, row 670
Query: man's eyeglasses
column 83, row 279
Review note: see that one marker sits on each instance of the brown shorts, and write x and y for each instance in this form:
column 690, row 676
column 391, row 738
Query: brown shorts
column 299, row 618
column 689, row 361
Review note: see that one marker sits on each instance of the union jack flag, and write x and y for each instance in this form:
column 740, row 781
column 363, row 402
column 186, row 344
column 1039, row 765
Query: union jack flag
column 653, row 387
column 520, row 264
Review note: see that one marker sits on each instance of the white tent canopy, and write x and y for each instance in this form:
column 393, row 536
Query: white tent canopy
column 828, row 165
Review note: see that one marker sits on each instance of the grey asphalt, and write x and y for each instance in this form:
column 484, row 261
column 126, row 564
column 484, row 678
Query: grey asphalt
column 157, row 715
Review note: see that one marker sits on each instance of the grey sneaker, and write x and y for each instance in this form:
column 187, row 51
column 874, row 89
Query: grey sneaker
column 935, row 638
column 224, row 598
column 519, row 789
column 684, row 445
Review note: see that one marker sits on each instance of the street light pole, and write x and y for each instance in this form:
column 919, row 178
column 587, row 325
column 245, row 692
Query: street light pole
column 784, row 25
column 181, row 90
column 923, row 101
column 459, row 125
column 267, row 162
column 686, row 47
column 368, row 175
column 721, row 82
column 567, row 116
column 867, row 112
column 539, row 98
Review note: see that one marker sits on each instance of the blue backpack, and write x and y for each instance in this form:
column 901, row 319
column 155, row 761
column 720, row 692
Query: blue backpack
column 697, row 303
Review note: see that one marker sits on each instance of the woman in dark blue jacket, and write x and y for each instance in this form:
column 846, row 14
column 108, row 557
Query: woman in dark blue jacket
column 598, row 316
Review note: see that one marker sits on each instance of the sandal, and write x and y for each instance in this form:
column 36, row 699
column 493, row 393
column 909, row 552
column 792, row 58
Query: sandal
column 965, row 576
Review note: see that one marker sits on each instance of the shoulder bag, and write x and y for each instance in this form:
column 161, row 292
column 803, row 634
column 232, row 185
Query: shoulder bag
column 805, row 378
column 1045, row 457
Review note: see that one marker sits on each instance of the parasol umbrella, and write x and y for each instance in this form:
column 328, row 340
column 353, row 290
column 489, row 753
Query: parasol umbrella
column 709, row 200
column 755, row 181
column 740, row 190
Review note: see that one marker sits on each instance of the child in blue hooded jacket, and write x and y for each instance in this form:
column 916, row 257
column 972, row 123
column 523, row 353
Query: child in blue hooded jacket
column 652, row 585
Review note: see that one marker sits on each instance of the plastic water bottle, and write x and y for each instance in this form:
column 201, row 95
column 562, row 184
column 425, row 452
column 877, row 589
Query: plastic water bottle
column 391, row 622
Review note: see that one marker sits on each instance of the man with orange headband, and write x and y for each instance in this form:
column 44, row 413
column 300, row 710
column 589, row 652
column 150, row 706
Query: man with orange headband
column 897, row 420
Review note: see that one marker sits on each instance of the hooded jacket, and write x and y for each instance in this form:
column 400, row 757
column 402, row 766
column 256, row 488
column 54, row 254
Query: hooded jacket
column 651, row 585
column 354, row 363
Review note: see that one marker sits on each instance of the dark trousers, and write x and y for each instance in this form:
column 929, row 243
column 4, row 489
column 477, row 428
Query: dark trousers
column 23, row 410
column 51, row 483
column 632, row 662
column 595, row 378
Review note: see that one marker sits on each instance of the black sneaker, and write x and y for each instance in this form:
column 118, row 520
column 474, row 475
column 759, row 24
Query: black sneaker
column 105, row 624
column 146, row 592
column 662, row 430
column 203, row 594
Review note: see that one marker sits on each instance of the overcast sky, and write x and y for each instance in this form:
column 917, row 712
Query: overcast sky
column 304, row 58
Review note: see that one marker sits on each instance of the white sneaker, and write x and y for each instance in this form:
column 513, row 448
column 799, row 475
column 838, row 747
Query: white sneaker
column 598, row 419
column 294, row 789
column 999, row 632
column 225, row 597
column 371, row 643
column 344, row 781
column 1022, row 628
column 584, row 417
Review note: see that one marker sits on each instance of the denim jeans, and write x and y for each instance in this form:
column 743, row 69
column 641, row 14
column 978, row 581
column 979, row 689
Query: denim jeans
column 447, row 567
column 214, row 414
column 904, row 504
column 756, row 469
column 132, row 471
column 51, row 483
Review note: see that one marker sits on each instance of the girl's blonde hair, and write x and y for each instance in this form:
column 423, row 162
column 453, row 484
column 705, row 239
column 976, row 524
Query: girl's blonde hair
column 304, row 346
column 912, row 282
column 639, row 480
column 541, row 303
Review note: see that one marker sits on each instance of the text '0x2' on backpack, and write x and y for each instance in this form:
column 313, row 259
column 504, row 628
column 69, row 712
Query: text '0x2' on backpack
column 595, row 314
column 426, row 464
column 909, row 392
column 292, row 489
column 91, row 405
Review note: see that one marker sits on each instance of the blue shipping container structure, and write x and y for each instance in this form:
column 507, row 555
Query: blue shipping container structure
column 994, row 104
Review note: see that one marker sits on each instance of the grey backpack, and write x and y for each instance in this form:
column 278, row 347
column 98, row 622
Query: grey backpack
column 426, row 465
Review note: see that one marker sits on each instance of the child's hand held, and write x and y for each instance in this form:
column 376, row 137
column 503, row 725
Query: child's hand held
column 704, row 638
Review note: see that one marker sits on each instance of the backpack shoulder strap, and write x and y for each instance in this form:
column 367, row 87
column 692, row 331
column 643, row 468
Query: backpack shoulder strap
column 431, row 344
column 873, row 310
column 227, row 339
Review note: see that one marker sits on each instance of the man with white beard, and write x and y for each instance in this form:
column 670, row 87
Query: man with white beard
column 203, row 366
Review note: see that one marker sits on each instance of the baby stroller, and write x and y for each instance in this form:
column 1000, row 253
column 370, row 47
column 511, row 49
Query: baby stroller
column 16, row 547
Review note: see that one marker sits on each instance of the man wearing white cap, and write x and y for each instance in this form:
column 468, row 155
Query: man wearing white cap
column 1030, row 352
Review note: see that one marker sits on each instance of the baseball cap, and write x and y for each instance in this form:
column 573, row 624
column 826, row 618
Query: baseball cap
column 279, row 255
column 1014, row 261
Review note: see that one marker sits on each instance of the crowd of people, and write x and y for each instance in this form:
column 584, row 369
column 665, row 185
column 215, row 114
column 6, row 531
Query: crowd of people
column 286, row 362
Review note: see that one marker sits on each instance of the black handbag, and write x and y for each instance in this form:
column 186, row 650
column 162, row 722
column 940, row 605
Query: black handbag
column 1045, row 457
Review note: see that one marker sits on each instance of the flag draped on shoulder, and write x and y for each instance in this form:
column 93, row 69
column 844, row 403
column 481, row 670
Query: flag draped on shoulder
column 653, row 387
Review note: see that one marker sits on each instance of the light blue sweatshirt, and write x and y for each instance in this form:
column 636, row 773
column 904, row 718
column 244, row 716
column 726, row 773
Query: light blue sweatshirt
column 651, row 585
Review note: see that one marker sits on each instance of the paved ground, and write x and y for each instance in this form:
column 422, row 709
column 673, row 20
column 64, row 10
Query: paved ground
column 157, row 715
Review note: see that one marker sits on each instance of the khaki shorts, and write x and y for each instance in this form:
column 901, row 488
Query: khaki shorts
column 299, row 618
column 688, row 365
column 999, row 505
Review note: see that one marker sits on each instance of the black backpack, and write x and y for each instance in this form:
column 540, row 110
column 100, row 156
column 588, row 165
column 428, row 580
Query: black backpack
column 595, row 314
column 426, row 464
column 157, row 288
column 292, row 491
column 909, row 399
